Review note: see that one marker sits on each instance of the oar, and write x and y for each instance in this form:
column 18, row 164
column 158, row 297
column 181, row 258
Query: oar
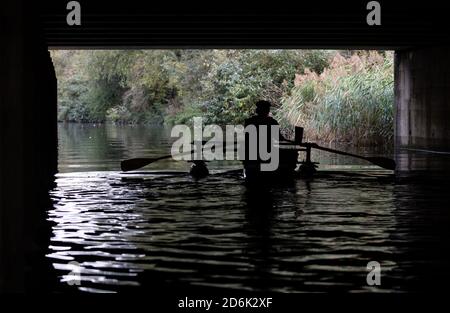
column 134, row 164
column 380, row 161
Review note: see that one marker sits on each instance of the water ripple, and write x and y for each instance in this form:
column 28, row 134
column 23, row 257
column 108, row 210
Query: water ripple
column 311, row 236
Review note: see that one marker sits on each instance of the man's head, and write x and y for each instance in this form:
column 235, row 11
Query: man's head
column 262, row 108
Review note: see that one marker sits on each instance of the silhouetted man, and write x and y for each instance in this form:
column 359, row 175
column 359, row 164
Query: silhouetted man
column 261, row 118
column 262, row 115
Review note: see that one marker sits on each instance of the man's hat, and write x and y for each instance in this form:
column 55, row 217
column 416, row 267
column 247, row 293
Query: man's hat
column 263, row 104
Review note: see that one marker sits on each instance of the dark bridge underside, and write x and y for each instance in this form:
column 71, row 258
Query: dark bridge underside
column 28, row 90
column 296, row 24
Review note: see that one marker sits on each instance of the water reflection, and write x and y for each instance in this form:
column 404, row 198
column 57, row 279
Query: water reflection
column 218, row 233
column 91, row 147
column 422, row 235
column 166, row 232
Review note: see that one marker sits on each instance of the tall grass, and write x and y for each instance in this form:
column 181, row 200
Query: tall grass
column 350, row 101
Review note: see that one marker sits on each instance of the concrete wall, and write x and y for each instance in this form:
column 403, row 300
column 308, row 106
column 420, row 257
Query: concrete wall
column 28, row 148
column 422, row 98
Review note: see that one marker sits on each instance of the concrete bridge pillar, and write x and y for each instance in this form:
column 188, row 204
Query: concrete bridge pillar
column 422, row 98
column 28, row 147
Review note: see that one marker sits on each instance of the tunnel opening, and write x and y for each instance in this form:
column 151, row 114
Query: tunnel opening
column 176, row 85
column 342, row 98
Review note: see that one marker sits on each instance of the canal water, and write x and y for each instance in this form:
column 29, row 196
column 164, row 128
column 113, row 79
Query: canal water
column 161, row 230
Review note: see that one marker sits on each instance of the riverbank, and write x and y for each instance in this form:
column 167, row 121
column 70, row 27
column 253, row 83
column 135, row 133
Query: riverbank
column 342, row 96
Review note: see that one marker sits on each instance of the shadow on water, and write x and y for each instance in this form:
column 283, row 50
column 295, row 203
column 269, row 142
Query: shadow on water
column 422, row 235
column 260, row 210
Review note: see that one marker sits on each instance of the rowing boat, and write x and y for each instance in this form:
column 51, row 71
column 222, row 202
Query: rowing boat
column 287, row 165
column 288, row 161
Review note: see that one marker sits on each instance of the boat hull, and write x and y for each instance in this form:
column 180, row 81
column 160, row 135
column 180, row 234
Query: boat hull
column 288, row 160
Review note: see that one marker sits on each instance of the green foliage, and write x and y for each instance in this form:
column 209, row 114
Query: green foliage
column 238, row 78
column 334, row 95
column 152, row 86
column 72, row 90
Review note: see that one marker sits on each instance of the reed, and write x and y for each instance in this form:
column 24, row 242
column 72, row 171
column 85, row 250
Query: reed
column 350, row 101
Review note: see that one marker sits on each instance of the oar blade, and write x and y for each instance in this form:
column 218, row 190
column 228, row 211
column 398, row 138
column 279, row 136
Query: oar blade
column 134, row 164
column 383, row 162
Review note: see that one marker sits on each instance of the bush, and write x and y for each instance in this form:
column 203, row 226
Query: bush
column 351, row 101
column 238, row 78
column 345, row 96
